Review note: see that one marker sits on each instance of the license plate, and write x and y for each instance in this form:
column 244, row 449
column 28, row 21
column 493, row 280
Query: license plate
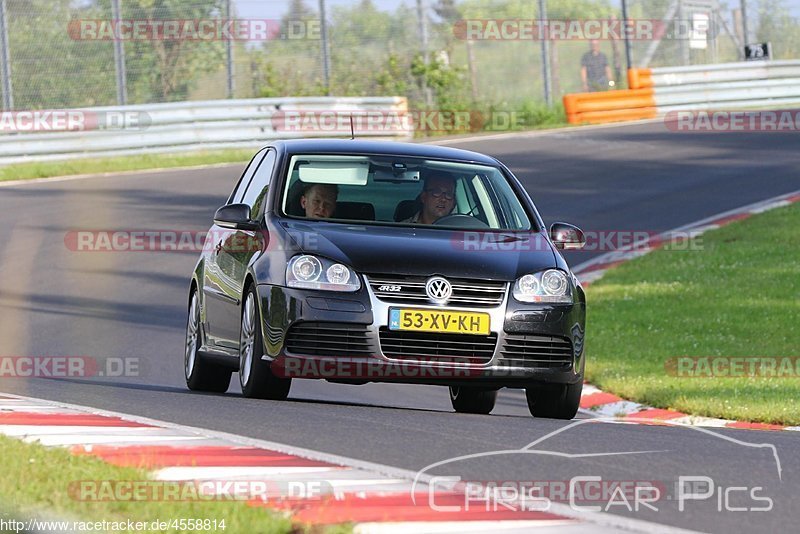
column 453, row 322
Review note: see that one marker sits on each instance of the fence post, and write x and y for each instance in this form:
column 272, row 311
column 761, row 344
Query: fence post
column 326, row 48
column 548, row 97
column 229, row 51
column 686, row 55
column 119, row 56
column 745, row 29
column 422, row 23
column 628, row 60
column 8, row 94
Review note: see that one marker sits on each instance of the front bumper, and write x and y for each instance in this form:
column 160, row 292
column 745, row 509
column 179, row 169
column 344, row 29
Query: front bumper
column 283, row 308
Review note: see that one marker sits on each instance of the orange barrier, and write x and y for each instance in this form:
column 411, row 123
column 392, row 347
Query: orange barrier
column 610, row 106
column 640, row 78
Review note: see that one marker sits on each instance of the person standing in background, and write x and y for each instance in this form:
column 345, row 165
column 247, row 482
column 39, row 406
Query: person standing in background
column 595, row 71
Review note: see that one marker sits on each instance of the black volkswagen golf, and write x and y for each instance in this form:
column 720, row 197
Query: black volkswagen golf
column 360, row 261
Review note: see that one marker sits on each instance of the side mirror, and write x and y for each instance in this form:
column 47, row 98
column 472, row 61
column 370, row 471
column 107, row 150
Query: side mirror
column 566, row 236
column 235, row 216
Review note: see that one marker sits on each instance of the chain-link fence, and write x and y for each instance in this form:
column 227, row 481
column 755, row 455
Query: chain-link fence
column 710, row 31
column 445, row 54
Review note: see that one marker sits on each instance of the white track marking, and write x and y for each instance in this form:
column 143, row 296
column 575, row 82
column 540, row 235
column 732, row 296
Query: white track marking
column 227, row 473
column 593, row 519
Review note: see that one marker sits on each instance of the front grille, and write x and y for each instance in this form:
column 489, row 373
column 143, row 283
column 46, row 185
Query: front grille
column 411, row 290
column 329, row 339
column 536, row 351
column 430, row 346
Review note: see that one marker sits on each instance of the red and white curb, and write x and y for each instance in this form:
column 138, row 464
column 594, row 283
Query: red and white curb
column 373, row 497
column 599, row 403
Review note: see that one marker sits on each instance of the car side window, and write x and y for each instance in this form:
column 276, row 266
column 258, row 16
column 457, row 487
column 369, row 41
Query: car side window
column 259, row 185
column 247, row 175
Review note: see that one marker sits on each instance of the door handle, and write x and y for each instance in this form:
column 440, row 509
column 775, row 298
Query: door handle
column 218, row 248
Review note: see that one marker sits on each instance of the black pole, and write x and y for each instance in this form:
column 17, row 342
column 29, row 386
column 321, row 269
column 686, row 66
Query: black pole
column 119, row 57
column 5, row 58
column 326, row 47
column 745, row 28
column 625, row 34
column 548, row 90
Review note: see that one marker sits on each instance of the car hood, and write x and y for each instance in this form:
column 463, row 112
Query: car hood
column 425, row 252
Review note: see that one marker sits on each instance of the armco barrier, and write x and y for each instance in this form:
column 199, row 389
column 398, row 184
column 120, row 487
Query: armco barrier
column 214, row 124
column 711, row 74
column 655, row 92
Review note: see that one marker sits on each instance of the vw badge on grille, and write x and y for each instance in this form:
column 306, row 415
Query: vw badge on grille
column 438, row 289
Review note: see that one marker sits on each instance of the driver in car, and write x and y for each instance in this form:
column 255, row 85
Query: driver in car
column 319, row 200
column 438, row 198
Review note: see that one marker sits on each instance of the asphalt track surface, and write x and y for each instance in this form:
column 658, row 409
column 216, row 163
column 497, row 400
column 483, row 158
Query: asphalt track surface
column 642, row 177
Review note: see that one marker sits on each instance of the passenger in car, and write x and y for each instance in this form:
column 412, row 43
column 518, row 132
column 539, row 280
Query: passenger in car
column 319, row 200
column 437, row 198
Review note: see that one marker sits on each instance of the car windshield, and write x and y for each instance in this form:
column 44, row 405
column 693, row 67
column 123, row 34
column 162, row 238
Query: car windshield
column 401, row 191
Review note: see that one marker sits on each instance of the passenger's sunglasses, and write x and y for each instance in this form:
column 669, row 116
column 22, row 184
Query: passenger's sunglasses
column 437, row 193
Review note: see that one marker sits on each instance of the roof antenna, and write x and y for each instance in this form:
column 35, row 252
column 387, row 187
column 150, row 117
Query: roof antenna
column 352, row 129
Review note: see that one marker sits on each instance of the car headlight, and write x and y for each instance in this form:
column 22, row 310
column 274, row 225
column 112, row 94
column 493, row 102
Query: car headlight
column 310, row 272
column 551, row 286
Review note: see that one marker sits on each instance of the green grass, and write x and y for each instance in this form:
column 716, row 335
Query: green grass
column 27, row 171
column 36, row 481
column 738, row 296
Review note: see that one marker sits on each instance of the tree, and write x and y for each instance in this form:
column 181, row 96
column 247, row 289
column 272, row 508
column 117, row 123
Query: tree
column 50, row 68
column 357, row 34
column 165, row 70
column 447, row 10
column 777, row 25
column 298, row 10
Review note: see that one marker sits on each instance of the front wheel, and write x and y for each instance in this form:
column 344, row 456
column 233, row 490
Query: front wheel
column 556, row 401
column 472, row 400
column 201, row 375
column 255, row 375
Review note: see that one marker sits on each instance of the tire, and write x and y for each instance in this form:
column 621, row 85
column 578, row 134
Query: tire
column 556, row 401
column 255, row 375
column 472, row 400
column 201, row 375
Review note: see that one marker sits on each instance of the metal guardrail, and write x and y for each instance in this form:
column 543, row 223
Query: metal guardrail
column 723, row 72
column 750, row 84
column 203, row 125
column 658, row 91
